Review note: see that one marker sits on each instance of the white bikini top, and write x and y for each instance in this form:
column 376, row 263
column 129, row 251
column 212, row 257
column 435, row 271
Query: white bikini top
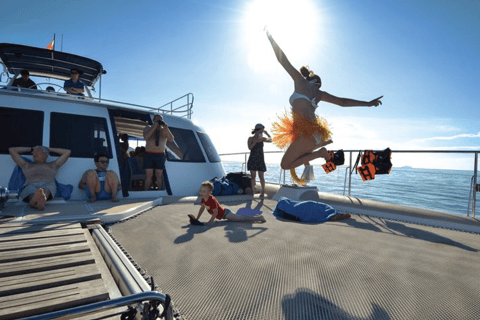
column 295, row 95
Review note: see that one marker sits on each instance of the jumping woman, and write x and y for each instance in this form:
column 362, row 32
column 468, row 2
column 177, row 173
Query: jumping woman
column 304, row 131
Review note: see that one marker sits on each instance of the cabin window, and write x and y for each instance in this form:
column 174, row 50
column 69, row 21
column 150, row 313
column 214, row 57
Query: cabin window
column 188, row 144
column 84, row 135
column 209, row 147
column 20, row 128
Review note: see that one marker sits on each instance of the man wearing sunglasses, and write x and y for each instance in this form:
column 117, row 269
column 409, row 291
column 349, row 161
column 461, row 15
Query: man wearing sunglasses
column 100, row 184
column 73, row 85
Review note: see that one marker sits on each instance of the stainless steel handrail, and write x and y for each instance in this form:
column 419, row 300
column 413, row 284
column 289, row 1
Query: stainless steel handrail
column 101, row 306
column 188, row 106
column 474, row 178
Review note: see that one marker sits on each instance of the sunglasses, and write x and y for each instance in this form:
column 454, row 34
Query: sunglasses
column 104, row 162
column 74, row 72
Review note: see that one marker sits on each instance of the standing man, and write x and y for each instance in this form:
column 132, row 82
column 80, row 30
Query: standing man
column 100, row 184
column 154, row 158
column 73, row 85
column 24, row 81
column 40, row 175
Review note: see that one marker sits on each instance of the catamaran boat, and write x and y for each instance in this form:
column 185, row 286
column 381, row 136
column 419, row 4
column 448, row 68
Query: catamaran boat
column 140, row 258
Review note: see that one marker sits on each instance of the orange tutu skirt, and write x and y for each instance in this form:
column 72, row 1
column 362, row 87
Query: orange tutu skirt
column 289, row 128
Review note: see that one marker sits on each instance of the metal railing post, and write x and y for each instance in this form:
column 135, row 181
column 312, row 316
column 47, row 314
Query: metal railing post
column 350, row 175
column 474, row 185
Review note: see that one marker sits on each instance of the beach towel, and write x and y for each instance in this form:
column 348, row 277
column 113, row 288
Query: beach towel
column 304, row 211
column 17, row 180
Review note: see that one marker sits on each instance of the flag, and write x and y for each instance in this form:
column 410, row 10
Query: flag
column 51, row 45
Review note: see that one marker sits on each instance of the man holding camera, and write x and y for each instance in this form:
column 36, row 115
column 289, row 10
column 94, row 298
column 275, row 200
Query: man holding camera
column 157, row 136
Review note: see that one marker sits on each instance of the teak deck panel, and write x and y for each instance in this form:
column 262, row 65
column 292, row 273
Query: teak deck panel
column 45, row 268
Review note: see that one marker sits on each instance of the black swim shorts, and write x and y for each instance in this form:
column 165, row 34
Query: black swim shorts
column 154, row 161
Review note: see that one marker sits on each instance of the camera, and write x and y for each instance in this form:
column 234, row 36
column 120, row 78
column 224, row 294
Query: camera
column 160, row 122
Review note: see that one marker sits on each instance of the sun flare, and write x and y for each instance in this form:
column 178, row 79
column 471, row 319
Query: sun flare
column 295, row 25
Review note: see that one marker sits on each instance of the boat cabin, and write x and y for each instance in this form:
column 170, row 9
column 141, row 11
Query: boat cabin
column 88, row 125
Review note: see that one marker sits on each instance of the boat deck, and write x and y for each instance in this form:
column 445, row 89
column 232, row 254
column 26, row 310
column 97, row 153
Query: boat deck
column 48, row 267
column 365, row 267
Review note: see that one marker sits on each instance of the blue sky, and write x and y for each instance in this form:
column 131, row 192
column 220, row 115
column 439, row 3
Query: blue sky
column 422, row 56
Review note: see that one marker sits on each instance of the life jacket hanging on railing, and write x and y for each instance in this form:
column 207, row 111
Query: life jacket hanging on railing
column 374, row 162
column 336, row 159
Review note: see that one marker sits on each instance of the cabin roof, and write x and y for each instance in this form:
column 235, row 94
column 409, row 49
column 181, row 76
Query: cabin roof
column 49, row 63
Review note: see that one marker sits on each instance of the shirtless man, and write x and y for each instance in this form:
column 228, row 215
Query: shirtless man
column 40, row 175
column 154, row 158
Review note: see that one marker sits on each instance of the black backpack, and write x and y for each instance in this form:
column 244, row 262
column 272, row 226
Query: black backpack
column 243, row 179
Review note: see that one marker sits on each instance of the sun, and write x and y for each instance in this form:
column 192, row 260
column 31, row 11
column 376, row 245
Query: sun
column 295, row 25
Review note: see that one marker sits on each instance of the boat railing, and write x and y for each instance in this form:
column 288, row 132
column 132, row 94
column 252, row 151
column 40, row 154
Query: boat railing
column 181, row 107
column 90, row 309
column 347, row 188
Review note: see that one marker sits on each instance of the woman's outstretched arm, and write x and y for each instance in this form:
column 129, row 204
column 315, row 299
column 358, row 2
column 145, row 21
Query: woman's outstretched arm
column 282, row 58
column 346, row 102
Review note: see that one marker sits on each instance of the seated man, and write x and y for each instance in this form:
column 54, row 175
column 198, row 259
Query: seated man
column 24, row 81
column 40, row 175
column 100, row 184
column 73, row 85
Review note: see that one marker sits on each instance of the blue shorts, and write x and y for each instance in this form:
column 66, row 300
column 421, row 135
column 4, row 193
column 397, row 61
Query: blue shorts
column 154, row 161
column 102, row 195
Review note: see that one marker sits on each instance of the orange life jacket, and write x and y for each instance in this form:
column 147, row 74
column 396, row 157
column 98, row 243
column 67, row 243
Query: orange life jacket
column 336, row 159
column 375, row 162
column 329, row 167
column 367, row 171
column 368, row 157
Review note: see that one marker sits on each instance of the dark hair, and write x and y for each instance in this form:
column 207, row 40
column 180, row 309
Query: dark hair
column 75, row 69
column 99, row 155
column 24, row 72
column 310, row 76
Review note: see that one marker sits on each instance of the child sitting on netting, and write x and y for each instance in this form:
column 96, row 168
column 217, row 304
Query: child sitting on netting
column 210, row 203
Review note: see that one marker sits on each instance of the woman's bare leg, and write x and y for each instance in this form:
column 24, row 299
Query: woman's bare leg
column 322, row 144
column 300, row 152
column 261, row 177
column 253, row 174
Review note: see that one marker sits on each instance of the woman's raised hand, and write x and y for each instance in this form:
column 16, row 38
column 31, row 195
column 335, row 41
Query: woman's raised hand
column 269, row 36
column 376, row 102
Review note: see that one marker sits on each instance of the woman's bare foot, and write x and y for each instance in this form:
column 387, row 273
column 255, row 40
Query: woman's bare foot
column 324, row 154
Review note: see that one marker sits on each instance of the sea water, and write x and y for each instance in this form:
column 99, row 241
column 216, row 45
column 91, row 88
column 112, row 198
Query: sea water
column 439, row 190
